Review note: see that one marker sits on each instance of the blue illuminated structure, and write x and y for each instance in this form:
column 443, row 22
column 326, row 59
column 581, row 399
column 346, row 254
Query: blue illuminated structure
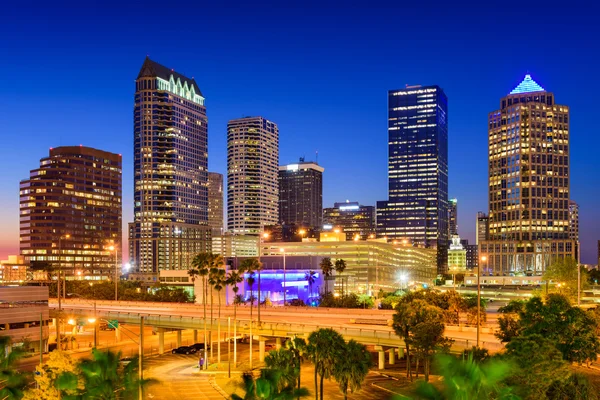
column 297, row 287
column 527, row 86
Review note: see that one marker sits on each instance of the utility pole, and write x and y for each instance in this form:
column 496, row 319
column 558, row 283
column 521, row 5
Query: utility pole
column 41, row 338
column 141, row 359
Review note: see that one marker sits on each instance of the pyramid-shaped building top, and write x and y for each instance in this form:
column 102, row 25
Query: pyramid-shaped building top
column 527, row 86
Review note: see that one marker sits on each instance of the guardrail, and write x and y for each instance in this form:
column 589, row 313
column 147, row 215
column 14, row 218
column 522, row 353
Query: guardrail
column 377, row 336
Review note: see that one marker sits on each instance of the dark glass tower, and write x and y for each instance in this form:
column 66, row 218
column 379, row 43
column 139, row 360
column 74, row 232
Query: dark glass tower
column 170, row 171
column 417, row 206
column 301, row 194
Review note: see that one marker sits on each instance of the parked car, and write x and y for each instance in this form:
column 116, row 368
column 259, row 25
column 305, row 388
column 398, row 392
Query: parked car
column 200, row 346
column 184, row 350
column 241, row 339
column 104, row 326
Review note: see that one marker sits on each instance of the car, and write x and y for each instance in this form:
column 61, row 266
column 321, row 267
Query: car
column 184, row 350
column 126, row 360
column 241, row 339
column 104, row 326
column 200, row 346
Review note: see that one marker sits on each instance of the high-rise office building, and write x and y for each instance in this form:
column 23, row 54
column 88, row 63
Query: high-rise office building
column 452, row 217
column 352, row 218
column 301, row 194
column 71, row 212
column 417, row 205
column 482, row 227
column 215, row 203
column 573, row 221
column 170, row 172
column 528, row 183
column 252, row 164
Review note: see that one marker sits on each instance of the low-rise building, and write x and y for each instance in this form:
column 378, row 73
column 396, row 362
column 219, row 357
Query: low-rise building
column 13, row 270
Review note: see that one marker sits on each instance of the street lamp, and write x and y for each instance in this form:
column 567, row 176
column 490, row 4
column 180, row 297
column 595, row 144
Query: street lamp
column 284, row 278
column 301, row 232
column 116, row 250
column 483, row 259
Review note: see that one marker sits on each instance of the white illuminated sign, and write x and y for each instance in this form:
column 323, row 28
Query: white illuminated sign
column 349, row 208
column 292, row 167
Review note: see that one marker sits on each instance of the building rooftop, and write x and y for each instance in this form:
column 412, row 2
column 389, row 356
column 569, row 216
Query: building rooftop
column 153, row 69
column 528, row 85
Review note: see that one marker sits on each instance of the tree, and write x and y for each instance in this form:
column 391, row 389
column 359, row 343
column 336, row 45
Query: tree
column 104, row 377
column 327, row 269
column 324, row 347
column 352, row 367
column 575, row 387
column 12, row 382
column 571, row 329
column 340, row 267
column 563, row 272
column 540, row 365
column 58, row 374
column 201, row 262
column 594, row 276
column 219, row 282
column 310, row 278
column 298, row 347
column 233, row 279
column 467, row 379
column 266, row 387
column 282, row 360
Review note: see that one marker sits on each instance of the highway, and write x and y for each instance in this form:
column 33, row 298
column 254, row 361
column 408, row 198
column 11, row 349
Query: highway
column 275, row 321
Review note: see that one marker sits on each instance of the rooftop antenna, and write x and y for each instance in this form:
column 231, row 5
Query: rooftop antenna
column 317, row 157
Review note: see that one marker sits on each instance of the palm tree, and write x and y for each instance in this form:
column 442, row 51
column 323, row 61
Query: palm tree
column 352, row 367
column 298, row 348
column 468, row 379
column 12, row 382
column 219, row 282
column 327, row 268
column 193, row 274
column 340, row 267
column 233, row 279
column 310, row 278
column 104, row 378
column 201, row 263
column 282, row 360
column 250, row 266
column 266, row 387
column 324, row 348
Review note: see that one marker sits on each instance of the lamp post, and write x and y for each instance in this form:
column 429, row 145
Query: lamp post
column 60, row 238
column 284, row 278
column 265, row 236
column 116, row 250
column 483, row 259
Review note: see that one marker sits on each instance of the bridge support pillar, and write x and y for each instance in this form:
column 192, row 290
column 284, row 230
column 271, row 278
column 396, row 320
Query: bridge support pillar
column 400, row 352
column 261, row 349
column 195, row 335
column 118, row 334
column 161, row 341
column 392, row 356
column 278, row 343
column 178, row 338
column 381, row 352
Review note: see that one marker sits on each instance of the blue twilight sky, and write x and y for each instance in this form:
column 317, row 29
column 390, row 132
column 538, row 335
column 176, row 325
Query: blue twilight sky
column 321, row 71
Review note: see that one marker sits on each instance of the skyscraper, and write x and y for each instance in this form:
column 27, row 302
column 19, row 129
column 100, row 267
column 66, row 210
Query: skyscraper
column 417, row 205
column 71, row 212
column 215, row 203
column 301, row 194
column 528, row 183
column 352, row 218
column 252, row 164
column 452, row 217
column 573, row 221
column 170, row 172
column 482, row 227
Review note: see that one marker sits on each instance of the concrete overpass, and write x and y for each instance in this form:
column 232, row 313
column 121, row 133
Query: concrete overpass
column 276, row 322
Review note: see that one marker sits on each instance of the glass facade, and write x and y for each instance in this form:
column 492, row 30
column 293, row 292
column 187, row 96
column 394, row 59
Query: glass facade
column 417, row 206
column 529, row 218
column 170, row 170
column 70, row 212
column 301, row 194
column 252, row 164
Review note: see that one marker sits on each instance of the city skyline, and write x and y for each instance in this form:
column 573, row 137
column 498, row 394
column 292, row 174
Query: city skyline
column 255, row 92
